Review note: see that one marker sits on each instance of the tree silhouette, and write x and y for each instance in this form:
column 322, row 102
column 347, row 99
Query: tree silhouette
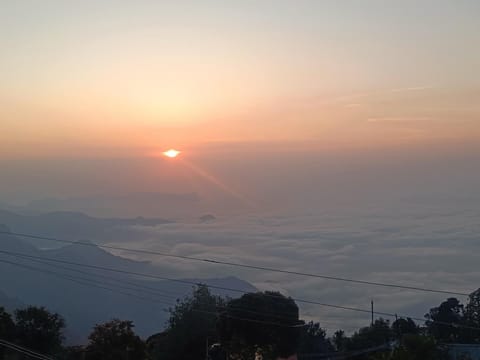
column 339, row 340
column 442, row 321
column 39, row 330
column 472, row 318
column 267, row 321
column 191, row 326
column 472, row 310
column 403, row 326
column 414, row 347
column 313, row 339
column 7, row 328
column 379, row 333
column 115, row 340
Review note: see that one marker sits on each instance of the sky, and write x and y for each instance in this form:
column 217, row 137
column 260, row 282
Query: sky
column 231, row 84
column 315, row 123
column 128, row 78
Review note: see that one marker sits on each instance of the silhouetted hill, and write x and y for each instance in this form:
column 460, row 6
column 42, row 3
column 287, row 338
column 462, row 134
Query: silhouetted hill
column 13, row 243
column 86, row 296
column 93, row 255
column 208, row 218
column 145, row 203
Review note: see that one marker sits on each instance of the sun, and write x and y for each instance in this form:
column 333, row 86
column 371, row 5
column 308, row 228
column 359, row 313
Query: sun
column 172, row 153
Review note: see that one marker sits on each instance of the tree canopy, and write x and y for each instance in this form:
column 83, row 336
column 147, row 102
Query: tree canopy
column 379, row 333
column 403, row 326
column 38, row 329
column 191, row 326
column 313, row 339
column 472, row 317
column 268, row 321
column 115, row 340
column 415, row 347
column 7, row 328
column 264, row 322
column 442, row 321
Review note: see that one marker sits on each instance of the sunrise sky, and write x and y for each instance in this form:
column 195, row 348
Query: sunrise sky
column 123, row 79
column 335, row 137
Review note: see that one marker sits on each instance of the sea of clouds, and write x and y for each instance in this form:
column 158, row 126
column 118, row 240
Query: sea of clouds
column 416, row 246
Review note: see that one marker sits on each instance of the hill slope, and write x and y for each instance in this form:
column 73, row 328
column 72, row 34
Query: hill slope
column 88, row 296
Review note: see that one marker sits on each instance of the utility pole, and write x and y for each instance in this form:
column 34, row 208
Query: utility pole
column 372, row 312
column 127, row 352
column 399, row 328
column 206, row 352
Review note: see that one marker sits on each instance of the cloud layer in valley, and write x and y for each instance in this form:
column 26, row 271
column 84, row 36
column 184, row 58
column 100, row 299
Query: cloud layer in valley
column 415, row 246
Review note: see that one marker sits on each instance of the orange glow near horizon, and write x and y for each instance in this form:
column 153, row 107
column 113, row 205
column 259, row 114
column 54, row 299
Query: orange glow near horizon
column 129, row 86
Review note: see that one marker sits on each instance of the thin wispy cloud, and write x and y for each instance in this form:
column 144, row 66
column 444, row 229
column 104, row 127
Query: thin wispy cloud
column 353, row 105
column 412, row 88
column 399, row 119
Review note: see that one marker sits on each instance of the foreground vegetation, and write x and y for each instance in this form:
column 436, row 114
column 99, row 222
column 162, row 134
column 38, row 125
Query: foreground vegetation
column 266, row 323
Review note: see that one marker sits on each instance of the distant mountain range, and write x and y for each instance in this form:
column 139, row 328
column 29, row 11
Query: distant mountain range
column 86, row 296
column 208, row 218
column 144, row 203
column 73, row 226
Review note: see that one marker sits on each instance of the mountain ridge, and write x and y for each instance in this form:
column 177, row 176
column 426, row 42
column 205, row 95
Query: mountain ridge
column 87, row 296
column 63, row 224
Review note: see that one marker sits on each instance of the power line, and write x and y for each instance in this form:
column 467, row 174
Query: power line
column 311, row 302
column 94, row 284
column 148, row 289
column 161, row 293
column 23, row 350
column 81, row 281
column 156, row 292
column 234, row 264
column 157, row 277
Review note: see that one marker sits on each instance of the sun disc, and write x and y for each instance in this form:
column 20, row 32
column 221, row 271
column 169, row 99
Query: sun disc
column 172, row 153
